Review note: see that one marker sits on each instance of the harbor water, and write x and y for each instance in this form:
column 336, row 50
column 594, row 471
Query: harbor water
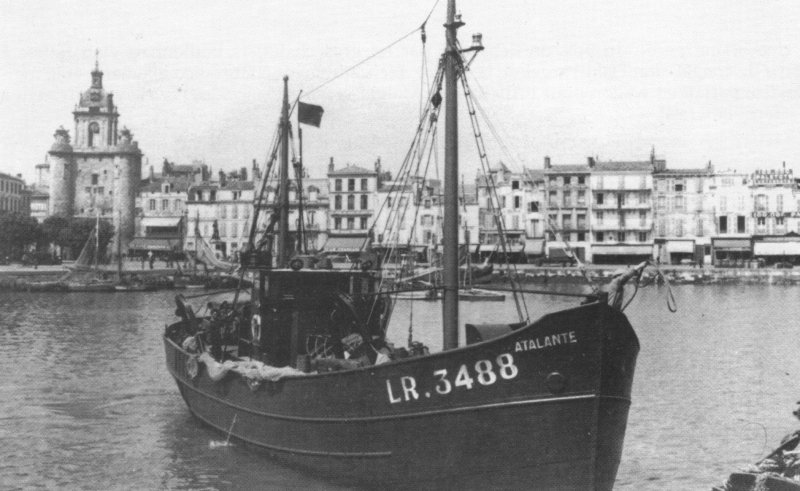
column 86, row 402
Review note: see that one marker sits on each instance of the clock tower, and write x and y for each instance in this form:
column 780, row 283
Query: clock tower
column 96, row 116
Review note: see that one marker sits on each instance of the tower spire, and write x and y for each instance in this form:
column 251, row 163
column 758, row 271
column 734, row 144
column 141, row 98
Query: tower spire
column 96, row 60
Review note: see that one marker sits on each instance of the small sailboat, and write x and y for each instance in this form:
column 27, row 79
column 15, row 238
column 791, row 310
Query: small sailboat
column 85, row 274
column 307, row 373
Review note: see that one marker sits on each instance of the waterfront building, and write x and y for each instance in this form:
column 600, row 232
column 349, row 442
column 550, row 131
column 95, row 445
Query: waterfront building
column 314, row 203
column 535, row 216
column 684, row 213
column 14, row 195
column 567, row 208
column 622, row 218
column 352, row 206
column 220, row 211
column 100, row 174
column 507, row 205
column 161, row 216
column 732, row 202
column 776, row 213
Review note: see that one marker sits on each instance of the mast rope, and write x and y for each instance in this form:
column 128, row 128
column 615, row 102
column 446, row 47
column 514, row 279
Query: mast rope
column 373, row 55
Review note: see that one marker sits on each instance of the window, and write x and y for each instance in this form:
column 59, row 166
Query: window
column 517, row 202
column 599, row 198
column 581, row 198
column 642, row 236
column 95, row 178
column 567, row 198
column 503, row 202
column 581, row 236
column 223, row 211
column 599, row 237
column 213, row 196
column 567, row 222
column 779, row 203
column 363, row 184
column 351, row 202
column 152, row 205
column 599, row 217
column 581, row 222
column 723, row 204
column 678, row 187
column 762, row 222
column 740, row 224
column 553, row 180
column 165, row 204
column 661, row 203
column 761, row 202
column 514, row 184
column 363, row 222
column 337, row 223
column 364, row 200
column 620, row 199
column 337, row 202
column 679, row 202
column 642, row 218
column 533, row 206
column 337, row 185
column 581, row 180
column 553, row 199
column 779, row 221
column 351, row 223
column 311, row 217
column 723, row 225
column 351, row 184
column 426, row 203
column 234, row 211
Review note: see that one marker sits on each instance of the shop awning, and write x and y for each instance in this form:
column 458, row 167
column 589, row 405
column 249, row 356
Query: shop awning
column 344, row 244
column 534, row 246
column 680, row 246
column 151, row 244
column 622, row 250
column 557, row 253
column 161, row 221
column 776, row 248
column 732, row 244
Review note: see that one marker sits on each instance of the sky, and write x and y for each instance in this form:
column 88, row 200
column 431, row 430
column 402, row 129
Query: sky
column 200, row 80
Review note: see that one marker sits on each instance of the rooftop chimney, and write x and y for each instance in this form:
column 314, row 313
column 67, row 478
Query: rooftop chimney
column 590, row 161
column 330, row 165
column 547, row 162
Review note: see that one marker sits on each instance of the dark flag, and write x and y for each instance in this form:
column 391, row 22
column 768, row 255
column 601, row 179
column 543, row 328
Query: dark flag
column 309, row 114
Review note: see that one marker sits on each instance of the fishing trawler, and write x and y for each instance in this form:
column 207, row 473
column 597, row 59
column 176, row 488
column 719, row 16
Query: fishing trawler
column 303, row 369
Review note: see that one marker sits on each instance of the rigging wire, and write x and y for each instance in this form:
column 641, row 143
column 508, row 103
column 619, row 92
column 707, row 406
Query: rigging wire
column 373, row 55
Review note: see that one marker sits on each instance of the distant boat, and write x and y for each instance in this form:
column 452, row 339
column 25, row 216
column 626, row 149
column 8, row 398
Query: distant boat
column 304, row 371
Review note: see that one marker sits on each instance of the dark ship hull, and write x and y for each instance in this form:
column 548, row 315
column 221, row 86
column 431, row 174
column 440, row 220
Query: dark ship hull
column 544, row 406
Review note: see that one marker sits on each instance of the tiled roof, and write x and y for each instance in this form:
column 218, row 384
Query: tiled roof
column 351, row 170
column 568, row 169
column 672, row 172
column 623, row 166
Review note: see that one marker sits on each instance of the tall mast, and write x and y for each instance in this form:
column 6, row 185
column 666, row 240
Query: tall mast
column 283, row 223
column 450, row 239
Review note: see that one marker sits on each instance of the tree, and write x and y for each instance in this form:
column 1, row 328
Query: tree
column 78, row 231
column 18, row 232
column 51, row 229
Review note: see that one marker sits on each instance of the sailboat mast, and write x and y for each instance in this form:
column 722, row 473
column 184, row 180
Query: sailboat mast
column 283, row 223
column 450, row 228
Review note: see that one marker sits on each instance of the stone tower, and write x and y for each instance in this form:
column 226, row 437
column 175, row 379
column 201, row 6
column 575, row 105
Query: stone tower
column 128, row 173
column 62, row 175
column 100, row 173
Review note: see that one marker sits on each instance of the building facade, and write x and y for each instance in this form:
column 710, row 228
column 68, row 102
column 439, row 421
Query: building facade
column 684, row 214
column 622, row 217
column 567, row 221
column 99, row 174
column 14, row 195
column 352, row 207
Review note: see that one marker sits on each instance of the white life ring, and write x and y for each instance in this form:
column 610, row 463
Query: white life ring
column 255, row 329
